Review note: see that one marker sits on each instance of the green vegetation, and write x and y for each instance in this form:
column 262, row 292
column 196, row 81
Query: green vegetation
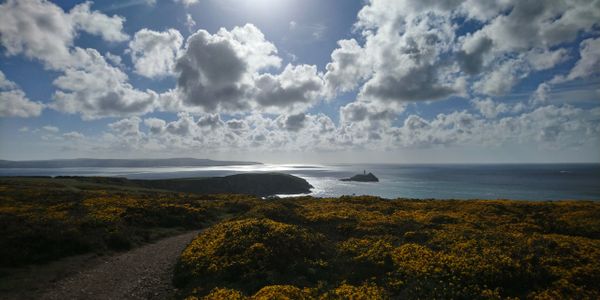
column 307, row 248
column 43, row 219
column 369, row 248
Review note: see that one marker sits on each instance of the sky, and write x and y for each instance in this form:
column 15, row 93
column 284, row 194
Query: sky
column 337, row 81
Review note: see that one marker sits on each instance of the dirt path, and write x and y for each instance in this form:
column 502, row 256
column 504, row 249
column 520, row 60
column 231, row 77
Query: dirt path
column 143, row 273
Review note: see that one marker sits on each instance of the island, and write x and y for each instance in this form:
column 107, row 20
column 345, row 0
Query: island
column 364, row 177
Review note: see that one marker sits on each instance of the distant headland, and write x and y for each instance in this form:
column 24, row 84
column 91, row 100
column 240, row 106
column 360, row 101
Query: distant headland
column 120, row 163
column 364, row 177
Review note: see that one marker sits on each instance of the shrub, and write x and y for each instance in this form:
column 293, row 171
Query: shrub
column 252, row 253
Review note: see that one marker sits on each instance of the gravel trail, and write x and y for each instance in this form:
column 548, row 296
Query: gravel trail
column 142, row 273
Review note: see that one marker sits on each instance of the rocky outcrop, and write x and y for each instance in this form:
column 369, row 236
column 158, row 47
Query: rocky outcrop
column 362, row 178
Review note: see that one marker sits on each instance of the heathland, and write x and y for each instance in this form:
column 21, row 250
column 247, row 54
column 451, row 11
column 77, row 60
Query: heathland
column 304, row 248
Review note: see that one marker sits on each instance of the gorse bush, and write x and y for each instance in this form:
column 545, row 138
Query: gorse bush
column 43, row 219
column 251, row 253
column 382, row 249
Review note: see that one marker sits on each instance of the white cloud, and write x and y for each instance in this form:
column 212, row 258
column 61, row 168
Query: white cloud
column 126, row 127
column 51, row 129
column 347, row 68
column 224, row 72
column 97, row 23
column 41, row 30
column 589, row 63
column 116, row 60
column 502, row 79
column 489, row 108
column 155, row 125
column 153, row 53
column 543, row 59
column 215, row 71
column 99, row 90
column 38, row 29
column 6, row 84
column 294, row 89
column 189, row 22
column 73, row 135
column 14, row 102
column 187, row 2
column 411, row 51
column 557, row 127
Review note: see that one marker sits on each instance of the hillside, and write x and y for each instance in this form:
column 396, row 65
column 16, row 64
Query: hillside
column 259, row 184
column 310, row 248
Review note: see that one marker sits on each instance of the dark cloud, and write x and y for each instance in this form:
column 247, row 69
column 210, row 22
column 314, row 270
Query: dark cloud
column 294, row 122
column 211, row 72
column 295, row 86
column 212, row 121
column 471, row 60
column 416, row 85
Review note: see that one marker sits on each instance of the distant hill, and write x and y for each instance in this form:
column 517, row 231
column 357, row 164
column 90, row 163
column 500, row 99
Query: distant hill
column 120, row 163
column 259, row 184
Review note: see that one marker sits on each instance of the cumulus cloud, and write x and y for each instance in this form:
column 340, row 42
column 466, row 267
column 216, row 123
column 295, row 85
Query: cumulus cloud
column 38, row 29
column 215, row 71
column 6, row 84
column 41, row 30
column 293, row 122
column 73, row 135
column 99, row 90
column 359, row 111
column 153, row 53
column 489, row 108
column 226, row 72
column 549, row 126
column 155, row 125
column 14, row 102
column 501, row 80
column 347, row 67
column 88, row 85
column 211, row 121
column 589, row 62
column 407, row 59
column 294, row 89
column 414, row 51
column 471, row 56
column 126, row 127
column 97, row 23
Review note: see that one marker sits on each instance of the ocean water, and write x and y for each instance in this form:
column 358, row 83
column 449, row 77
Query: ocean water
column 443, row 181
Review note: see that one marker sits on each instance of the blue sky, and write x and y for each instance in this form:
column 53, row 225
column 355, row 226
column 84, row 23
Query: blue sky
column 301, row 81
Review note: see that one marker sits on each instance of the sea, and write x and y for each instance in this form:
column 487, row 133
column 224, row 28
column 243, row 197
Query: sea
column 539, row 182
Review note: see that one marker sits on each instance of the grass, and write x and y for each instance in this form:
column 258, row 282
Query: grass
column 308, row 248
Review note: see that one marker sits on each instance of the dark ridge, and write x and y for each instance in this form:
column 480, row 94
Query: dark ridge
column 120, row 163
column 259, row 184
